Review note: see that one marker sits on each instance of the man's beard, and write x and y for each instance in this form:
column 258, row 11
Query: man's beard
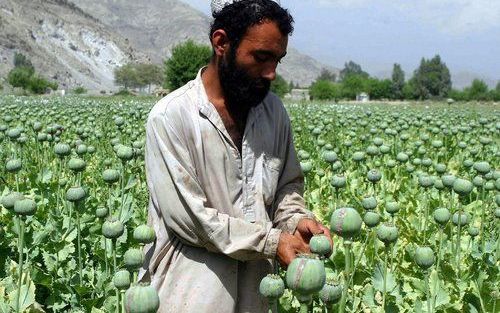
column 241, row 91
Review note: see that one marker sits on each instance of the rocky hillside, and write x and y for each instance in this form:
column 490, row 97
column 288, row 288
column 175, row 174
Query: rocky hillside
column 80, row 42
column 64, row 43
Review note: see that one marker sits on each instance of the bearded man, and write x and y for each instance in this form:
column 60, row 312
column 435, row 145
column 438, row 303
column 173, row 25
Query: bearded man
column 224, row 180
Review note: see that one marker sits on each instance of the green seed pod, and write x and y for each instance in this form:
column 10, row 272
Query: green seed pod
column 144, row 234
column 392, row 207
column 464, row 218
column 478, row 181
column 306, row 167
column 387, row 233
column 473, row 231
column 438, row 184
column 10, row 199
column 384, row 149
column 112, row 228
column 489, row 186
column 369, row 203
column 81, row 149
column 497, row 212
column 272, row 287
column 331, row 292
column 424, row 257
column 133, row 258
column 121, row 280
column 468, row 163
column 13, row 166
column 75, row 194
column 346, row 222
column 440, row 168
column 63, row 182
column 76, row 165
column 110, row 176
column 442, row 216
column 402, row 157
column 462, row 186
column 448, row 180
column 306, row 275
column 371, row 219
column 425, row 181
column 101, row 212
column 320, row 245
column 338, row 181
column 141, row 299
column 358, row 156
column 482, row 167
column 497, row 200
column 329, row 156
column 374, row 176
column 125, row 153
column 372, row 150
column 14, row 133
column 25, row 207
column 62, row 149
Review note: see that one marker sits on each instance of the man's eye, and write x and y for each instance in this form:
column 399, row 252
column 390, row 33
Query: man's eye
column 260, row 58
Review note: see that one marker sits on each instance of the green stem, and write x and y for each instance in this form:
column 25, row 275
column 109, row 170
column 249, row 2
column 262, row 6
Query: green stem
column 458, row 248
column 78, row 232
column 113, row 248
column 347, row 271
column 426, row 215
column 385, row 277
column 21, row 248
column 427, row 293
column 304, row 307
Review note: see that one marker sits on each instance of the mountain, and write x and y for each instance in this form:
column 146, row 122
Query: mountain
column 63, row 42
column 157, row 27
column 81, row 42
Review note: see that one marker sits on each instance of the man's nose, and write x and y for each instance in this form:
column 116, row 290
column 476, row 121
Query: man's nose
column 270, row 72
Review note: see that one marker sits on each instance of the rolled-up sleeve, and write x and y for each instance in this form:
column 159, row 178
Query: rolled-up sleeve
column 289, row 205
column 178, row 196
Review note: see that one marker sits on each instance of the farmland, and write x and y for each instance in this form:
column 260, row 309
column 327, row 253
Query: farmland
column 422, row 180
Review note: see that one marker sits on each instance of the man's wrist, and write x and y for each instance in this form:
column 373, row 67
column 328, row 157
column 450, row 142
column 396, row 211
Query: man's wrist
column 291, row 224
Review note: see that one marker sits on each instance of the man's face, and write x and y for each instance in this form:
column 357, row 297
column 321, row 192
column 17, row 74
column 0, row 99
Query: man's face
column 246, row 73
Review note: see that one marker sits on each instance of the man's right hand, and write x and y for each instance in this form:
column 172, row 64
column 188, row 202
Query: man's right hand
column 288, row 247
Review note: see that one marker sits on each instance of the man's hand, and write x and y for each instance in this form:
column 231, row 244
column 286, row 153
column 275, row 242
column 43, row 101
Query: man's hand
column 306, row 228
column 288, row 247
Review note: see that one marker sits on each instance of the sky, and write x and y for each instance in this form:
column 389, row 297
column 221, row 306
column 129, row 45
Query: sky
column 378, row 33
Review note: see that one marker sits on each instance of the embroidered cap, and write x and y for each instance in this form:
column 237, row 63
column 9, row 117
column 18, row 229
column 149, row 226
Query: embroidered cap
column 218, row 5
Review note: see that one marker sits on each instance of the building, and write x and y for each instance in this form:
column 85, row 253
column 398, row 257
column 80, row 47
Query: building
column 362, row 97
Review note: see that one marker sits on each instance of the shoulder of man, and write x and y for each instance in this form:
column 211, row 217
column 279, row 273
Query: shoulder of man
column 176, row 105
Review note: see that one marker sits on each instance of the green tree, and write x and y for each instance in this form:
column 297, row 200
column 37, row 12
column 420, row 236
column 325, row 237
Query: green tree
column 324, row 90
column 150, row 74
column 350, row 69
column 127, row 76
column 187, row 58
column 477, row 91
column 398, row 82
column 431, row 79
column 279, row 86
column 20, row 60
column 328, row 75
column 379, row 88
column 353, row 85
column 19, row 77
column 39, row 85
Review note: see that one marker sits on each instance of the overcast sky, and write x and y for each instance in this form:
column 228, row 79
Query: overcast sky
column 378, row 33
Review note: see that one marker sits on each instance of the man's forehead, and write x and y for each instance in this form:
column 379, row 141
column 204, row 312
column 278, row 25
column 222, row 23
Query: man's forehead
column 218, row 5
column 266, row 36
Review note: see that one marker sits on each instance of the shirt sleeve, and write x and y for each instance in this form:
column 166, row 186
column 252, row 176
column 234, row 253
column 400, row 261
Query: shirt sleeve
column 289, row 205
column 177, row 195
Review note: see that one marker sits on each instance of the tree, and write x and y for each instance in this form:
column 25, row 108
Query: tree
column 398, row 82
column 324, row 90
column 20, row 60
column 351, row 68
column 379, row 89
column 431, row 79
column 327, row 75
column 477, row 91
column 19, row 77
column 127, row 76
column 187, row 58
column 149, row 74
column 279, row 86
column 354, row 84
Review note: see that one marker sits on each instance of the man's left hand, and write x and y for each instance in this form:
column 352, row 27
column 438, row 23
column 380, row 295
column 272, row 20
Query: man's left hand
column 306, row 228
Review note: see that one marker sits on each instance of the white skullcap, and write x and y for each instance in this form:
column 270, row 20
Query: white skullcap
column 218, row 5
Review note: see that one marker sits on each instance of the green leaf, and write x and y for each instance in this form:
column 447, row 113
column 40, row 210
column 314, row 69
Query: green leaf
column 438, row 294
column 378, row 279
column 27, row 296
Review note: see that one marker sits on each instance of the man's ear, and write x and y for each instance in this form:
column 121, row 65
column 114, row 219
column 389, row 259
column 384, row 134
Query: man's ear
column 220, row 42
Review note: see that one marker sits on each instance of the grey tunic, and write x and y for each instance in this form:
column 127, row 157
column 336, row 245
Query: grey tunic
column 218, row 214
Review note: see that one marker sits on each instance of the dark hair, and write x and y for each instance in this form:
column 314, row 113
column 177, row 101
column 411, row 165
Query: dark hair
column 237, row 17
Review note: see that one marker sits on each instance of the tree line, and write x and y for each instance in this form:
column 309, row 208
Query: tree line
column 430, row 81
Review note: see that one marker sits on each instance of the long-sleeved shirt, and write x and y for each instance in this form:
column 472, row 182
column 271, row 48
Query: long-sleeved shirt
column 217, row 213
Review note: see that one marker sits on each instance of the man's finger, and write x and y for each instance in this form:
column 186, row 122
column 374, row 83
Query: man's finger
column 326, row 231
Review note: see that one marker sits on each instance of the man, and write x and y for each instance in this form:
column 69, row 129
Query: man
column 225, row 184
